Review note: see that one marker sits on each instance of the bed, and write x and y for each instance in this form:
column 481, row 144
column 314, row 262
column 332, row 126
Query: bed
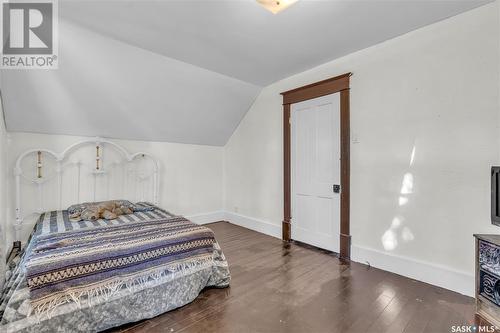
column 173, row 284
column 92, row 275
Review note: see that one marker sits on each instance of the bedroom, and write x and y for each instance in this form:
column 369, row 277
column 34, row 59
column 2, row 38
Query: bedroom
column 196, row 108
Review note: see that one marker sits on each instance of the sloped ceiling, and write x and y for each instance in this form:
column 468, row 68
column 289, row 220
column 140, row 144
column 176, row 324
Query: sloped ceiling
column 187, row 71
column 108, row 88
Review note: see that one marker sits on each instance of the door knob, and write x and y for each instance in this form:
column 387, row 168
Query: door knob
column 336, row 188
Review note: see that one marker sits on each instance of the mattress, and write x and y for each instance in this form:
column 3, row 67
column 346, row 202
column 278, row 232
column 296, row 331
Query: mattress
column 153, row 296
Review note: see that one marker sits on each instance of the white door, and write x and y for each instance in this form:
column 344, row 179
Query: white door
column 315, row 171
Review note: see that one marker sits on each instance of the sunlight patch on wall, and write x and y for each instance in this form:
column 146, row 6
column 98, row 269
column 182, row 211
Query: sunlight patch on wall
column 412, row 156
column 407, row 186
column 396, row 232
column 389, row 240
column 390, row 237
column 402, row 201
column 396, row 222
column 407, row 235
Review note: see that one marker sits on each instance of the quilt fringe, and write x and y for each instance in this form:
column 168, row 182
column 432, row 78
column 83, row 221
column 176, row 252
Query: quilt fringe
column 104, row 291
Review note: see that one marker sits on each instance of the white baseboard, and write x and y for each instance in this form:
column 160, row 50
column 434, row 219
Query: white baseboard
column 438, row 275
column 205, row 218
column 261, row 226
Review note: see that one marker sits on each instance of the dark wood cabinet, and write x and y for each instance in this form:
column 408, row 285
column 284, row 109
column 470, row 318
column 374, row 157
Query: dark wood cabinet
column 488, row 278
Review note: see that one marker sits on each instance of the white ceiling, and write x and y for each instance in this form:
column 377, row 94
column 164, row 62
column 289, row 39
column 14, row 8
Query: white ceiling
column 241, row 39
column 187, row 71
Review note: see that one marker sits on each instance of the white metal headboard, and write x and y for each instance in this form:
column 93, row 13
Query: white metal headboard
column 136, row 178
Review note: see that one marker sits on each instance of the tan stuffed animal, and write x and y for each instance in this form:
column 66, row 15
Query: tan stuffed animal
column 88, row 214
column 108, row 210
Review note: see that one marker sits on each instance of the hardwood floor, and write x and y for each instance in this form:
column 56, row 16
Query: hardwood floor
column 279, row 287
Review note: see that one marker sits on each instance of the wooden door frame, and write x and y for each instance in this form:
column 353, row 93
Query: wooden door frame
column 326, row 87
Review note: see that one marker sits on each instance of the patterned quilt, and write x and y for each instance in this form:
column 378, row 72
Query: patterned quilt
column 74, row 266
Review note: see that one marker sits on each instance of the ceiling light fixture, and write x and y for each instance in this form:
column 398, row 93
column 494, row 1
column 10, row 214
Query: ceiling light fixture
column 276, row 6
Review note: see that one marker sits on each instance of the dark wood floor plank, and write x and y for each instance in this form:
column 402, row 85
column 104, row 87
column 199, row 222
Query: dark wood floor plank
column 288, row 287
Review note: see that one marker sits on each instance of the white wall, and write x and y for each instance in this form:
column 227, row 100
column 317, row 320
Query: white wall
column 3, row 192
column 433, row 91
column 191, row 175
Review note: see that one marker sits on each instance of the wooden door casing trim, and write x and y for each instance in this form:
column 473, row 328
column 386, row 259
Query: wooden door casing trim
column 326, row 87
